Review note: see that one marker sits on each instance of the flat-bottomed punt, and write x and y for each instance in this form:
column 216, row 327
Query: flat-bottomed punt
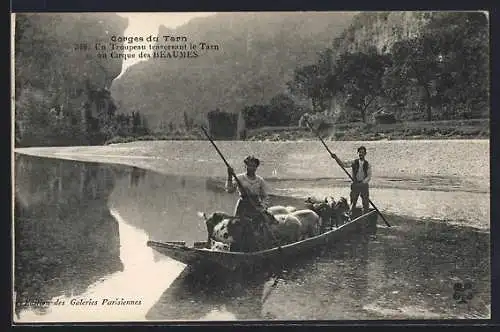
column 199, row 254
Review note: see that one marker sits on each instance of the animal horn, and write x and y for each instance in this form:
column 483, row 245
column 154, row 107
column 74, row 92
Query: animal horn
column 202, row 215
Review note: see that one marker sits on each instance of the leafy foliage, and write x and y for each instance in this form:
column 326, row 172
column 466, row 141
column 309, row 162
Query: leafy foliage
column 448, row 64
column 415, row 64
column 436, row 67
column 358, row 76
column 281, row 111
column 439, row 73
column 61, row 93
column 309, row 81
column 222, row 124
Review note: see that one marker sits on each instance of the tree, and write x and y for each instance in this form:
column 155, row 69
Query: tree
column 283, row 111
column 415, row 63
column 32, row 117
column 145, row 126
column 188, row 122
column 309, row 82
column 222, row 124
column 463, row 83
column 136, row 122
column 256, row 116
column 448, row 62
column 358, row 77
column 123, row 125
column 326, row 66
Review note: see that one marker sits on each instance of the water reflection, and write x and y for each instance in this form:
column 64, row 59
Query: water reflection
column 75, row 257
column 332, row 285
column 166, row 206
column 81, row 230
column 136, row 175
column 65, row 236
column 196, row 295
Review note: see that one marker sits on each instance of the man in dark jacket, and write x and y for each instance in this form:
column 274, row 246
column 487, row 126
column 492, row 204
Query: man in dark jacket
column 361, row 173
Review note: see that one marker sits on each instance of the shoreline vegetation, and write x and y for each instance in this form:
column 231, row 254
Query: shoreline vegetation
column 369, row 78
column 355, row 131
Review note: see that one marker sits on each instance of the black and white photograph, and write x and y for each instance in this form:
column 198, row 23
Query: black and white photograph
column 250, row 166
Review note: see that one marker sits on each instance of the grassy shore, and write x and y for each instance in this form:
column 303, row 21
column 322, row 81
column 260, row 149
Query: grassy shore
column 356, row 131
column 456, row 129
column 155, row 137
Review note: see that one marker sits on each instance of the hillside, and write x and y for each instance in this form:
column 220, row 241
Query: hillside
column 58, row 76
column 271, row 68
column 258, row 54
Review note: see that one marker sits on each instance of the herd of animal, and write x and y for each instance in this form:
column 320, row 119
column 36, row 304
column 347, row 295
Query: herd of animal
column 286, row 224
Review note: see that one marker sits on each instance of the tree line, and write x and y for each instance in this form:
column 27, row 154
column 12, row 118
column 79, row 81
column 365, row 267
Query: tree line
column 440, row 74
column 39, row 122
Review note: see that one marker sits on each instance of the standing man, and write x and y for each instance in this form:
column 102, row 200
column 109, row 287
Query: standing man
column 361, row 173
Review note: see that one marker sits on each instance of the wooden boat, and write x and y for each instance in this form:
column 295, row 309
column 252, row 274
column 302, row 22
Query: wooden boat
column 199, row 254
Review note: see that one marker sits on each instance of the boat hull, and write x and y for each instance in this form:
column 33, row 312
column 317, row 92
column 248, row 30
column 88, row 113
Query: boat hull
column 193, row 256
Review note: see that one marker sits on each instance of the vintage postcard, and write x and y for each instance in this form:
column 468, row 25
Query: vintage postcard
column 251, row 166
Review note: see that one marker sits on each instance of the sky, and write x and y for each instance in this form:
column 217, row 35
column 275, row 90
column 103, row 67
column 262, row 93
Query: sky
column 145, row 24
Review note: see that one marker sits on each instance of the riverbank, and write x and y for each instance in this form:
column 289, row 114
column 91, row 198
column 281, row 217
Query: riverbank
column 418, row 184
column 355, row 131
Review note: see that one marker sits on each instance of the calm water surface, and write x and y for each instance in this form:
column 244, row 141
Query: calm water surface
column 81, row 229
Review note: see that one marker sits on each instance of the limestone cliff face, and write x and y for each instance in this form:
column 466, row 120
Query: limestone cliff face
column 373, row 29
column 380, row 30
column 57, row 69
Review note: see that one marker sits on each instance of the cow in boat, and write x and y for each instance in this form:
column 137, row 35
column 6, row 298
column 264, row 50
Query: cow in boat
column 283, row 225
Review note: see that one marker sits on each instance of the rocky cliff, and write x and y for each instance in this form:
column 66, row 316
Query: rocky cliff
column 58, row 73
column 380, row 30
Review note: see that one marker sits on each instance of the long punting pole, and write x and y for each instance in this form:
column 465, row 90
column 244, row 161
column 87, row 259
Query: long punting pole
column 243, row 191
column 346, row 172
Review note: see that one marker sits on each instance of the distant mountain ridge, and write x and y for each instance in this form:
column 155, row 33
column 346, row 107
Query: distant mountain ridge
column 258, row 53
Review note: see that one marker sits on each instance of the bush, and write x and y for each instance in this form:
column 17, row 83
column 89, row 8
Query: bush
column 120, row 139
column 385, row 119
column 221, row 125
column 429, row 131
column 369, row 126
column 339, row 134
column 343, row 126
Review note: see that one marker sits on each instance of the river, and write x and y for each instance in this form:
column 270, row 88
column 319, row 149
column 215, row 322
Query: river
column 84, row 214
